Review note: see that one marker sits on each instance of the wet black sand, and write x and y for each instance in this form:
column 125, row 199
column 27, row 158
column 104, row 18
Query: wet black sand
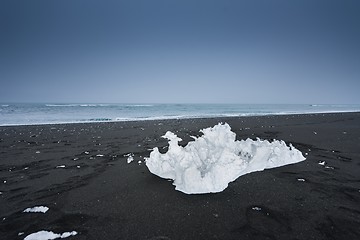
column 104, row 197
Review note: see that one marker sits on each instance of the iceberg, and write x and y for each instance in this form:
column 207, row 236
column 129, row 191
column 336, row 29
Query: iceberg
column 210, row 162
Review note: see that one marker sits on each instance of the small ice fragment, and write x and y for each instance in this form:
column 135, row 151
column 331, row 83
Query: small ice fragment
column 315, row 132
column 322, row 163
column 20, row 233
column 86, row 152
column 78, row 166
column 48, row 235
column 130, row 157
column 41, row 209
column 100, row 155
column 37, row 152
column 68, row 234
column 301, row 179
column 75, row 158
column 26, row 168
column 0, row 193
column 5, row 181
column 329, row 167
column 256, row 208
column 139, row 162
column 61, row 166
column 306, row 154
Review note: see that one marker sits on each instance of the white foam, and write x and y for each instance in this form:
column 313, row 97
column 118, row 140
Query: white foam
column 48, row 235
column 37, row 209
column 139, row 105
column 213, row 160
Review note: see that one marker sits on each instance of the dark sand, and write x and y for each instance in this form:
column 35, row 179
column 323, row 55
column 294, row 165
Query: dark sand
column 107, row 198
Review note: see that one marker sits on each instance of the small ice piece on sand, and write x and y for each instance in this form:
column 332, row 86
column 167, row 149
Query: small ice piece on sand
column 86, row 152
column 75, row 158
column 61, row 166
column 37, row 209
column 139, row 162
column 100, row 155
column 130, row 157
column 329, row 167
column 37, row 152
column 322, row 163
column 20, row 233
column 301, row 179
column 48, row 235
column 315, row 132
column 256, row 208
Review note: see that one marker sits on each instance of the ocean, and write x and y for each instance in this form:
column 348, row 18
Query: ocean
column 43, row 113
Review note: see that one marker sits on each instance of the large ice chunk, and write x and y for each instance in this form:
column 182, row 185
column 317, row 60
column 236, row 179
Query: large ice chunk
column 216, row 158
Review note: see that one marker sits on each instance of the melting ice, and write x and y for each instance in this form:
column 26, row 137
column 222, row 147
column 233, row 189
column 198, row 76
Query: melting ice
column 46, row 235
column 209, row 163
column 37, row 209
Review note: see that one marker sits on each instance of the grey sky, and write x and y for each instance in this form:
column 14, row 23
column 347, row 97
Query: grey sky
column 180, row 51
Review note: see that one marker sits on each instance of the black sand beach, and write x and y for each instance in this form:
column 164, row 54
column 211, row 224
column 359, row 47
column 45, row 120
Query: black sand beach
column 80, row 172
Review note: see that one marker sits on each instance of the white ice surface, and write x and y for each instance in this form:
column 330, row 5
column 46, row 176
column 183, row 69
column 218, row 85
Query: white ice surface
column 37, row 209
column 130, row 157
column 48, row 235
column 213, row 160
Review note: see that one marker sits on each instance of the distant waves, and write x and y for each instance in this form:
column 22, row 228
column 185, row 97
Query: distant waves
column 54, row 113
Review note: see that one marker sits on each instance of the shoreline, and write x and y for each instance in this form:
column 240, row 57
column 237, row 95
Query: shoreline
column 80, row 172
column 180, row 118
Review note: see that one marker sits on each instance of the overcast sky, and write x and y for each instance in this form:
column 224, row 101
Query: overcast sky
column 178, row 51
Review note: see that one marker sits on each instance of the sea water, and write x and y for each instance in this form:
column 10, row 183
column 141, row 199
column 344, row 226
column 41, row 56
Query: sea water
column 44, row 113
